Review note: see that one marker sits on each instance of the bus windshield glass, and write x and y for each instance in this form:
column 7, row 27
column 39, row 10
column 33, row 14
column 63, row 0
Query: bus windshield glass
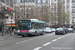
column 24, row 26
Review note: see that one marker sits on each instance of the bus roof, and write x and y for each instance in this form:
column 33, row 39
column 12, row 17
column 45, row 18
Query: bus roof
column 38, row 21
column 34, row 20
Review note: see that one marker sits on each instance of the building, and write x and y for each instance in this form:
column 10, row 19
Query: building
column 73, row 11
column 24, row 7
column 67, row 7
column 5, row 9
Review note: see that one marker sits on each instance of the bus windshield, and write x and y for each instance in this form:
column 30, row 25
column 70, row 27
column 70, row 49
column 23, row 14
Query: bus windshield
column 24, row 26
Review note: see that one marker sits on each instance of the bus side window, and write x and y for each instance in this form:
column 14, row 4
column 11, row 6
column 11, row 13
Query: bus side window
column 37, row 26
column 32, row 27
column 43, row 25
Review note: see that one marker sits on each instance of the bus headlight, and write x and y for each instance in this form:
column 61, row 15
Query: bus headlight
column 18, row 31
column 32, row 30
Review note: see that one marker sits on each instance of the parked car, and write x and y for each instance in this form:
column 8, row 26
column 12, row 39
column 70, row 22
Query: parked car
column 48, row 30
column 70, row 30
column 60, row 31
column 53, row 29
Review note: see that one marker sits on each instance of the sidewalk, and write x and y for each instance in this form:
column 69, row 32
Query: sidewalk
column 7, row 35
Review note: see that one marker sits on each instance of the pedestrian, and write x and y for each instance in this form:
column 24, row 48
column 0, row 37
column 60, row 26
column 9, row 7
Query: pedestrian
column 10, row 31
column 14, row 31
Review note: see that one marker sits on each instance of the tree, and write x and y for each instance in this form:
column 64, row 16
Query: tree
column 65, row 18
column 59, row 12
column 45, row 13
column 32, row 13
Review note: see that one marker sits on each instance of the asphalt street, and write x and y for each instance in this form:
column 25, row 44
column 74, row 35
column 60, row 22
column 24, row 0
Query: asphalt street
column 48, row 41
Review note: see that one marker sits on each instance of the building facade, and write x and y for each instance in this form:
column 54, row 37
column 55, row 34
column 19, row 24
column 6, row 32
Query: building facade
column 73, row 11
column 67, row 7
column 5, row 8
column 26, row 6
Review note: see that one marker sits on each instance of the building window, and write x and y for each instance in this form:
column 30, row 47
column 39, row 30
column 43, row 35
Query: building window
column 73, row 10
column 72, row 20
column 73, row 5
column 72, row 15
column 46, row 1
column 26, row 0
column 15, row 1
column 73, row 0
column 22, row 0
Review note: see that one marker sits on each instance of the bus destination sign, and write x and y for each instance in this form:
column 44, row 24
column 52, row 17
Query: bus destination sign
column 24, row 21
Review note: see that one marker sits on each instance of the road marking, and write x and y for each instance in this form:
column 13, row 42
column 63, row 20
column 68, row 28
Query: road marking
column 49, row 34
column 37, row 48
column 62, row 36
column 59, row 38
column 46, row 44
column 49, row 42
column 32, row 39
column 54, row 40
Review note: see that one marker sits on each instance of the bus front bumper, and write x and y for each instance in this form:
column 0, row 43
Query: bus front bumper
column 26, row 33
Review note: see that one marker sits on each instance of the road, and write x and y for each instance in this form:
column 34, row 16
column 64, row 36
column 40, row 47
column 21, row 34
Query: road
column 48, row 41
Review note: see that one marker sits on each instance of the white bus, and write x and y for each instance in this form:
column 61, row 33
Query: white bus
column 30, row 27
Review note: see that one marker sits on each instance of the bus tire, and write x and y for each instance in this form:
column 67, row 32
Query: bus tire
column 36, row 33
column 23, row 35
column 42, row 34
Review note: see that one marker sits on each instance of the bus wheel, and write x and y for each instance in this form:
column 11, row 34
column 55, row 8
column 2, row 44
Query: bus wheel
column 36, row 33
column 42, row 34
column 23, row 35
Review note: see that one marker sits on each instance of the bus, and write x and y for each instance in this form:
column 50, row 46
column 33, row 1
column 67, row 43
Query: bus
column 30, row 27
